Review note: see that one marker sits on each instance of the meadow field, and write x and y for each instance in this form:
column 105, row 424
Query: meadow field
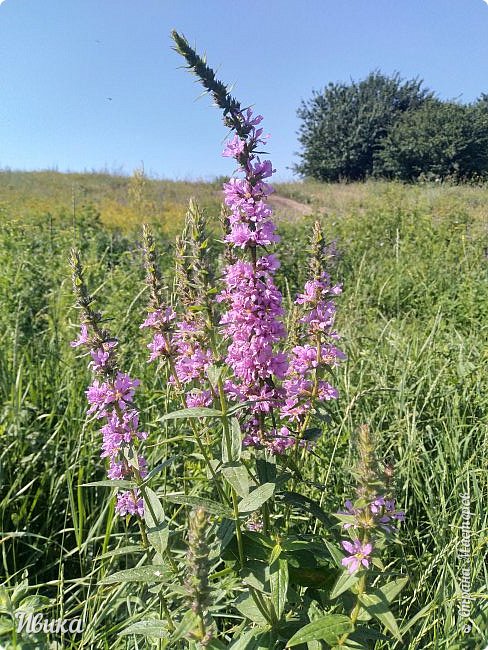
column 413, row 316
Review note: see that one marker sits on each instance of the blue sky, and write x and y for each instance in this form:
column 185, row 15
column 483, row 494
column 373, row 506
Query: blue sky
column 94, row 84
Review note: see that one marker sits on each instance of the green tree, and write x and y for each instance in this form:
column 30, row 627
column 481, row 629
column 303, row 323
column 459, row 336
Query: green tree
column 343, row 127
column 438, row 140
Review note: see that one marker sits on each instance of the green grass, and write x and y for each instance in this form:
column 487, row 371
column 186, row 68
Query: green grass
column 413, row 316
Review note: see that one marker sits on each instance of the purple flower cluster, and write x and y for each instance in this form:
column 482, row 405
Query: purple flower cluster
column 110, row 397
column 160, row 320
column 277, row 442
column 252, row 322
column 191, row 359
column 317, row 311
column 181, row 343
column 379, row 513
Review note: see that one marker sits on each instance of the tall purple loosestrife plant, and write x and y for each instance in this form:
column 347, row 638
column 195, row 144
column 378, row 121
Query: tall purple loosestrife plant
column 111, row 399
column 266, row 566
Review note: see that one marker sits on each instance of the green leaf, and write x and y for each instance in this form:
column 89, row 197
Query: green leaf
column 313, row 434
column 236, row 475
column 329, row 628
column 187, row 624
column 336, row 554
column 6, row 625
column 377, row 606
column 235, row 443
column 215, row 644
column 256, row 575
column 116, row 483
column 213, row 507
column 34, row 603
column 265, row 641
column 345, row 518
column 159, row 468
column 157, row 529
column 246, row 641
column 256, row 498
column 344, row 582
column 314, row 645
column 148, row 574
column 306, row 505
column 153, row 509
column 153, row 628
column 125, row 550
column 5, row 603
column 275, row 553
column 278, row 579
column 214, row 373
column 393, row 588
column 425, row 611
column 192, row 413
column 266, row 470
column 225, row 533
column 158, row 537
column 319, row 577
column 247, row 606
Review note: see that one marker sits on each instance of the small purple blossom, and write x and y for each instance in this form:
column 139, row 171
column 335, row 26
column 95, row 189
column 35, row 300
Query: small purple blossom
column 277, row 442
column 378, row 513
column 234, row 148
column 158, row 347
column 198, row 398
column 82, row 338
column 248, row 119
column 101, row 356
column 96, row 395
column 129, row 503
column 159, row 318
column 359, row 555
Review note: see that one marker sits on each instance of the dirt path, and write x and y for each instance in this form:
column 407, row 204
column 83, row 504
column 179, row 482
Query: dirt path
column 285, row 207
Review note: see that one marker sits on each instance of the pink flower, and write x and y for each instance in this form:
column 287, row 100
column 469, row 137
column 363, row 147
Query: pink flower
column 159, row 318
column 359, row 555
column 129, row 504
column 326, row 391
column 249, row 120
column 112, row 399
column 198, row 398
column 234, row 148
column 158, row 347
column 97, row 395
column 261, row 169
column 277, row 442
column 117, row 470
column 331, row 355
column 99, row 358
column 122, row 391
column 83, row 337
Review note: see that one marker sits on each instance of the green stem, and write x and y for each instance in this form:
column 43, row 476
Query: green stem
column 357, row 607
column 196, row 433
column 166, row 612
column 233, row 493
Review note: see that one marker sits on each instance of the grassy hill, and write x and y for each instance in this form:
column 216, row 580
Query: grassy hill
column 413, row 316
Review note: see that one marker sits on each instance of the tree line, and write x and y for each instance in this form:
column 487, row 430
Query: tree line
column 388, row 127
